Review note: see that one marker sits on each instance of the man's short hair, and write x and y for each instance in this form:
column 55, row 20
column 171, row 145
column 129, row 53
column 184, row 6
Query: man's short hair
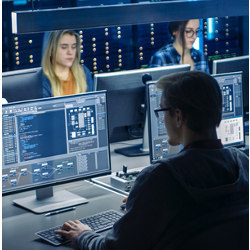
column 197, row 95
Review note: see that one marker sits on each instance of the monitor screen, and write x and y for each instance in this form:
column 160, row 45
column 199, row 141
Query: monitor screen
column 231, row 129
column 159, row 147
column 16, row 83
column 54, row 140
column 126, row 99
column 236, row 64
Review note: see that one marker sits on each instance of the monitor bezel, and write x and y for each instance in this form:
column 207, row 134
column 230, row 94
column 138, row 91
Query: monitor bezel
column 226, row 60
column 70, row 179
column 141, row 72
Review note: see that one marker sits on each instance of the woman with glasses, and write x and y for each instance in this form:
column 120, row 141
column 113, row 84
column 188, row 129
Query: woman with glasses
column 181, row 51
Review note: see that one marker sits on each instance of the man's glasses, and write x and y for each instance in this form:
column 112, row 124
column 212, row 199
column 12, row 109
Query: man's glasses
column 190, row 33
column 160, row 110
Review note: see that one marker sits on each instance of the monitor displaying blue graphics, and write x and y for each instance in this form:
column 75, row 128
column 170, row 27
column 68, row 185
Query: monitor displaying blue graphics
column 231, row 129
column 54, row 140
column 159, row 147
column 236, row 64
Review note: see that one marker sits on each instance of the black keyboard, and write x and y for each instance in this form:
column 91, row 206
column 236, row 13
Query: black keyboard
column 97, row 222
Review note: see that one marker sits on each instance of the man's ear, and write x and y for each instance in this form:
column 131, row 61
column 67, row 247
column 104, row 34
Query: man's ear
column 179, row 118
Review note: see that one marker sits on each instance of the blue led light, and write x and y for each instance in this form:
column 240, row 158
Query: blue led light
column 210, row 28
column 20, row 2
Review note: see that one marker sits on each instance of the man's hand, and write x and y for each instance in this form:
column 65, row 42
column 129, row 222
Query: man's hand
column 123, row 206
column 125, row 200
column 72, row 229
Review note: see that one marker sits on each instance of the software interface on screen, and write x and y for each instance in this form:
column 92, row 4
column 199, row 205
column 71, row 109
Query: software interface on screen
column 230, row 130
column 236, row 64
column 54, row 140
column 158, row 138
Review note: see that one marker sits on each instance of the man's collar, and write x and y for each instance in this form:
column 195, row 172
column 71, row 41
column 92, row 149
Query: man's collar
column 205, row 144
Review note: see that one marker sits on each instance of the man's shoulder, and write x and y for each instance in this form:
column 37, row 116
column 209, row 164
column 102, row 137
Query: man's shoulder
column 242, row 154
column 164, row 164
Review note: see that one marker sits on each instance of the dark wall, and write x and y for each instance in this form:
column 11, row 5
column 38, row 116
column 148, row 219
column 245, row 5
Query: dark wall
column 120, row 47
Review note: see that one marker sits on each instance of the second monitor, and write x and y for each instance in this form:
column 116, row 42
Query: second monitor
column 230, row 131
column 235, row 64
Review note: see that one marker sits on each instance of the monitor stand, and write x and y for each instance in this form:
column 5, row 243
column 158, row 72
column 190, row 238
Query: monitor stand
column 45, row 200
column 139, row 149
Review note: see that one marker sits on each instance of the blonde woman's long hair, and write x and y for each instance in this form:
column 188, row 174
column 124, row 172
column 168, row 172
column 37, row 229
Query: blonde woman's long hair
column 49, row 68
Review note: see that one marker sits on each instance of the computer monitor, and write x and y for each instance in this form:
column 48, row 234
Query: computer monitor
column 21, row 85
column 159, row 147
column 126, row 97
column 235, row 64
column 53, row 141
column 231, row 129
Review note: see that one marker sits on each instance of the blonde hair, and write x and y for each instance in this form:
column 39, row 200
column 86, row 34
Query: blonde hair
column 49, row 68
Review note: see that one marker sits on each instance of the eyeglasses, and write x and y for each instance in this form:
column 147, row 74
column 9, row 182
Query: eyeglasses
column 160, row 110
column 190, row 33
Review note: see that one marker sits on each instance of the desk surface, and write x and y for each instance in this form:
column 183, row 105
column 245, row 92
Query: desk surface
column 19, row 225
column 118, row 160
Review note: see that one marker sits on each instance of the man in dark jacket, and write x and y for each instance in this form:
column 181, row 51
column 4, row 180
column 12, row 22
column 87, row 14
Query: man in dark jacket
column 171, row 199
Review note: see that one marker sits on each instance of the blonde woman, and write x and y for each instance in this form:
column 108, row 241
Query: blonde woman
column 63, row 75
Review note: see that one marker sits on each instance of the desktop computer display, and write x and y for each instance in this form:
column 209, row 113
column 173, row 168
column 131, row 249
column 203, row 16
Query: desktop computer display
column 126, row 103
column 52, row 141
column 236, row 64
column 133, row 78
column 230, row 131
column 159, row 147
column 15, row 84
